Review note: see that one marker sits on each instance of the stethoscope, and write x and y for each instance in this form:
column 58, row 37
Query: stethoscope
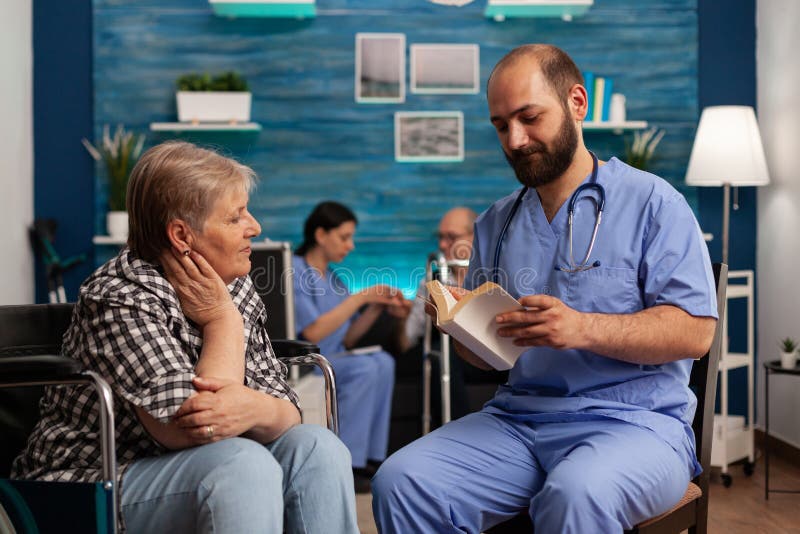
column 601, row 203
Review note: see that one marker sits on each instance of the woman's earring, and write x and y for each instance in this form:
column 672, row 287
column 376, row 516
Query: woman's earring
column 186, row 252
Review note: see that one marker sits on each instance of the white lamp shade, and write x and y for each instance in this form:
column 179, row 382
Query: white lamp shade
column 727, row 149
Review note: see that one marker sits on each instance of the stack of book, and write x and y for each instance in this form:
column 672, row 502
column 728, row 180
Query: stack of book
column 598, row 89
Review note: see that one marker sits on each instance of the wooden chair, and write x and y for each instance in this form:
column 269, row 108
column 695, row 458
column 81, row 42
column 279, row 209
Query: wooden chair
column 691, row 512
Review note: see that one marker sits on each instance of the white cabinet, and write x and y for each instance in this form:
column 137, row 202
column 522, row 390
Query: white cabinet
column 733, row 439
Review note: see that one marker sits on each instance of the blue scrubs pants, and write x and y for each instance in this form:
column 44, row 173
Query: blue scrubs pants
column 575, row 477
column 364, row 387
column 301, row 482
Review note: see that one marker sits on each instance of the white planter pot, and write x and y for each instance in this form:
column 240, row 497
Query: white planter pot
column 117, row 224
column 788, row 360
column 213, row 106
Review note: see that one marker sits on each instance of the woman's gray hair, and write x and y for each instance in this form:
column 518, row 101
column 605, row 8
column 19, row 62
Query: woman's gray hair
column 177, row 180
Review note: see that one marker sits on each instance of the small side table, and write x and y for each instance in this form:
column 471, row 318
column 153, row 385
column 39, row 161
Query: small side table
column 773, row 367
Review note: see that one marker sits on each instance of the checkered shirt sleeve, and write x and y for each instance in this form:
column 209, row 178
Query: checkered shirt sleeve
column 263, row 370
column 134, row 341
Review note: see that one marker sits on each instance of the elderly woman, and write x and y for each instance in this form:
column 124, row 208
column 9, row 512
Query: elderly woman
column 327, row 314
column 208, row 431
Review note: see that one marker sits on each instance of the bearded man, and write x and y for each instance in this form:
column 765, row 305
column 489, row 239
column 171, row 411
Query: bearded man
column 592, row 432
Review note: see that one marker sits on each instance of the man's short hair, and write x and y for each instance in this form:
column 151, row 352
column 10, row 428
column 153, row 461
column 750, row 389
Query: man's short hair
column 557, row 67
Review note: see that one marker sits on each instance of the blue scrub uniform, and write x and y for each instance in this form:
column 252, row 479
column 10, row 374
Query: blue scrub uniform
column 364, row 382
column 586, row 443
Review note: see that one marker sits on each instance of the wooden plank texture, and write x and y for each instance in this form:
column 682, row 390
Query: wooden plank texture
column 317, row 143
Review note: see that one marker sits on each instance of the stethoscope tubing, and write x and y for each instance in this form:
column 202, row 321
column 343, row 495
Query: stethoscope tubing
column 573, row 199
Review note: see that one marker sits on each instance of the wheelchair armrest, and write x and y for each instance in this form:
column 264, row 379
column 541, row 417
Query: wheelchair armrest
column 294, row 352
column 37, row 368
column 304, row 353
column 49, row 369
column 287, row 348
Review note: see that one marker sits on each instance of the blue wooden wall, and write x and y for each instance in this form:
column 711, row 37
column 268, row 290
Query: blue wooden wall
column 667, row 54
column 727, row 76
column 62, row 115
column 317, row 143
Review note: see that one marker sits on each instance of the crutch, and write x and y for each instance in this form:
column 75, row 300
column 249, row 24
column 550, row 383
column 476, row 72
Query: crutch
column 443, row 267
column 426, row 357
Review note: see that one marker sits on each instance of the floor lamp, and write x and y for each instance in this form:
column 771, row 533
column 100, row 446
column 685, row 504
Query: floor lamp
column 727, row 152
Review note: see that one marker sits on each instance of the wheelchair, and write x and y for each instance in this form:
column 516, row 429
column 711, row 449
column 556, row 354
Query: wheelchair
column 30, row 347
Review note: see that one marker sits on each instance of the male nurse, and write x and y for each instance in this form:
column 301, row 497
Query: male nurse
column 593, row 432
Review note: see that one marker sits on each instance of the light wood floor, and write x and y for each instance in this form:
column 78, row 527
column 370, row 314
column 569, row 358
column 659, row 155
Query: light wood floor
column 739, row 509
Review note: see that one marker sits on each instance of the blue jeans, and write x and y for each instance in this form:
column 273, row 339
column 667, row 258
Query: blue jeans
column 301, row 482
column 576, row 477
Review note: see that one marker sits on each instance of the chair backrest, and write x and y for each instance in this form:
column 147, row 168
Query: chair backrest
column 271, row 272
column 26, row 330
column 703, row 382
column 29, row 329
column 35, row 506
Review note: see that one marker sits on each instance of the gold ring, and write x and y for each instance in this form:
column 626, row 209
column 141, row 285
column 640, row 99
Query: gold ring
column 209, row 431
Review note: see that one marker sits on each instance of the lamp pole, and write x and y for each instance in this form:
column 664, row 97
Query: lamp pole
column 726, row 219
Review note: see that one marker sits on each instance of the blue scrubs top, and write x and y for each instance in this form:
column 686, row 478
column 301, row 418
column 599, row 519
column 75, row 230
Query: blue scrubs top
column 651, row 252
column 314, row 295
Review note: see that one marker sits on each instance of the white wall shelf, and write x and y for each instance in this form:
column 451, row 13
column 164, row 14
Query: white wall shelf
column 501, row 10
column 299, row 9
column 615, row 127
column 108, row 240
column 205, row 127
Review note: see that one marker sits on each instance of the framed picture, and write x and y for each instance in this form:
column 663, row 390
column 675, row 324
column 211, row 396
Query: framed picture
column 429, row 136
column 445, row 68
column 380, row 67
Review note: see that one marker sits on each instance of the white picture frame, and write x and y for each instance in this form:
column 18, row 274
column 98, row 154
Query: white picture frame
column 445, row 68
column 380, row 76
column 428, row 136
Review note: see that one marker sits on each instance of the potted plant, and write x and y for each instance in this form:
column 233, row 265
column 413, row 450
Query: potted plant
column 119, row 154
column 639, row 153
column 223, row 98
column 788, row 353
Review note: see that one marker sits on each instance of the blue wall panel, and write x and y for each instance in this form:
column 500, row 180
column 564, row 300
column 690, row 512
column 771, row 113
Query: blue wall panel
column 317, row 143
column 727, row 58
column 62, row 104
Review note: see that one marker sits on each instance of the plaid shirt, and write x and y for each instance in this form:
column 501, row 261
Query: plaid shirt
column 128, row 326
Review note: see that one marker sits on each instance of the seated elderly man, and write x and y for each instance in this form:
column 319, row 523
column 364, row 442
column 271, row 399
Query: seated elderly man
column 454, row 238
column 593, row 431
column 207, row 429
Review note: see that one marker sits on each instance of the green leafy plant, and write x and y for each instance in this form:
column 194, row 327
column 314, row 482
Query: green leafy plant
column 119, row 154
column 788, row 345
column 194, row 82
column 639, row 152
column 227, row 81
